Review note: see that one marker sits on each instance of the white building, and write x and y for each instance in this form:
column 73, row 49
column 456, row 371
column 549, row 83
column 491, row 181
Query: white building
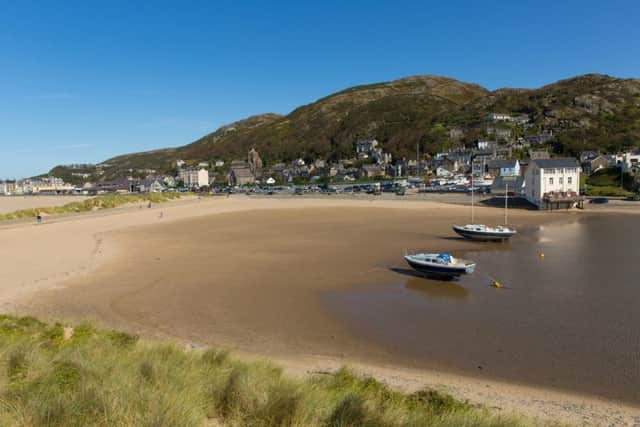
column 194, row 177
column 630, row 161
column 553, row 183
column 499, row 117
column 364, row 149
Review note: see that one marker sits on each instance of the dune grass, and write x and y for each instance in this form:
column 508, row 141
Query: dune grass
column 109, row 378
column 95, row 203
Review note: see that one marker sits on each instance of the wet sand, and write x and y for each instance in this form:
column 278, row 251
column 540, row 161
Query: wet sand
column 268, row 277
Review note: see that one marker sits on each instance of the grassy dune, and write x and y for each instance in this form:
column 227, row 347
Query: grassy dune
column 95, row 203
column 51, row 377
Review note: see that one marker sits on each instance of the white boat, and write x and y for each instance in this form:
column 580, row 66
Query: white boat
column 483, row 232
column 440, row 265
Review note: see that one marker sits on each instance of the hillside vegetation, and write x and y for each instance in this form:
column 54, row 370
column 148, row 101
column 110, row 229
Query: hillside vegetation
column 56, row 376
column 586, row 112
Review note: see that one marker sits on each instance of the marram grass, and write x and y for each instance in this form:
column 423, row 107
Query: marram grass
column 95, row 203
column 110, row 378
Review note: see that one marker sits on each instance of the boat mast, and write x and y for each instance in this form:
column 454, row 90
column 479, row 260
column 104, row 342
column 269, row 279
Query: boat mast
column 506, row 197
column 472, row 212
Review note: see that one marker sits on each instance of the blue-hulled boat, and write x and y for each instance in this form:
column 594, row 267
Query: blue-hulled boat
column 440, row 265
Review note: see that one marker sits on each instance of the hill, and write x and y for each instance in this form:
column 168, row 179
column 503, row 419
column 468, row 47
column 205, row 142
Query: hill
column 586, row 112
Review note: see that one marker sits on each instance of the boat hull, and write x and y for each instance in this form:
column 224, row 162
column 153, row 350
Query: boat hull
column 483, row 236
column 441, row 272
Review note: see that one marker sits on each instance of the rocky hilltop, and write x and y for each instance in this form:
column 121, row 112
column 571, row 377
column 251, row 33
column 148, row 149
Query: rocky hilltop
column 587, row 112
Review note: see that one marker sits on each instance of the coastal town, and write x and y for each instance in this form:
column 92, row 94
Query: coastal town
column 508, row 160
column 320, row 214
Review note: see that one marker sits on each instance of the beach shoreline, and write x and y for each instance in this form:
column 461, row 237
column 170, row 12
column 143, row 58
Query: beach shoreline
column 96, row 240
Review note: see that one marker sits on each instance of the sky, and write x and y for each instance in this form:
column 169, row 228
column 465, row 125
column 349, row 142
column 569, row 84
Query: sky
column 82, row 81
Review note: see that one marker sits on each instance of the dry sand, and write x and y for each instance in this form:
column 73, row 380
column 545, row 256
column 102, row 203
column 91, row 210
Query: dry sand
column 251, row 277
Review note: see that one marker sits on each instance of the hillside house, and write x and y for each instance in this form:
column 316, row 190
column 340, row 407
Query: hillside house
column 539, row 154
column 456, row 134
column 499, row 117
column 553, row 183
column 630, row 161
column 364, row 149
column 594, row 164
column 540, row 138
column 501, row 134
column 587, row 156
column 521, row 119
column 509, row 167
column 371, row 171
column 486, row 145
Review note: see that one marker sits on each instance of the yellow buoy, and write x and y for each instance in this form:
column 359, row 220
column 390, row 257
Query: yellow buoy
column 496, row 284
column 541, row 254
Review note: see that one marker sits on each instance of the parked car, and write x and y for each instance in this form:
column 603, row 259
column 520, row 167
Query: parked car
column 599, row 200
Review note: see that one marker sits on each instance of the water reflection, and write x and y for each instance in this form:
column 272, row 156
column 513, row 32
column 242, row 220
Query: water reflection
column 437, row 289
column 566, row 319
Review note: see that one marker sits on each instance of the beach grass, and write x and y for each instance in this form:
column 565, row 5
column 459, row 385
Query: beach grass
column 95, row 203
column 54, row 376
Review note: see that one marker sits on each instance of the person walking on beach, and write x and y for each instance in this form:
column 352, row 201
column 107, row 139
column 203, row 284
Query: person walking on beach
column 38, row 217
column 149, row 206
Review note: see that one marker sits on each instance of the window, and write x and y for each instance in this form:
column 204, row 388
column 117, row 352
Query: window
column 569, row 180
column 551, row 181
column 560, row 180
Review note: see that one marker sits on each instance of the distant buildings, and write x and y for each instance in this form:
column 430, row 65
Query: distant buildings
column 7, row 188
column 365, row 149
column 508, row 167
column 194, row 177
column 539, row 154
column 630, row 161
column 372, row 171
column 499, row 117
column 539, row 138
column 240, row 174
column 593, row 164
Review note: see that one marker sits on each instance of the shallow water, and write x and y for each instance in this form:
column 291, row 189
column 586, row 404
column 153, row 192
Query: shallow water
column 569, row 319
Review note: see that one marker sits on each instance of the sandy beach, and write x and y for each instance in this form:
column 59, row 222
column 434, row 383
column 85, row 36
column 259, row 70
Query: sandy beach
column 253, row 274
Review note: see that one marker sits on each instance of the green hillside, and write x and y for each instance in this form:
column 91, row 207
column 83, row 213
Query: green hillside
column 586, row 112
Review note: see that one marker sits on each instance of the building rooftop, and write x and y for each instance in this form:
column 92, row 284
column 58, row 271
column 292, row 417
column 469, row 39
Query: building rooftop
column 508, row 163
column 565, row 162
column 242, row 172
column 500, row 183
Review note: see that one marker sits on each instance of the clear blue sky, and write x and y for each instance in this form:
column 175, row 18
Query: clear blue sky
column 83, row 81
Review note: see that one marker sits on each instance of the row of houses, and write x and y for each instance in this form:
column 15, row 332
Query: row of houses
column 43, row 185
column 592, row 161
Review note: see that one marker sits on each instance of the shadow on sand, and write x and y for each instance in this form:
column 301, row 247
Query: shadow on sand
column 433, row 288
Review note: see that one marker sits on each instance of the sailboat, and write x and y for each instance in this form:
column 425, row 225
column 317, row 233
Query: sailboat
column 483, row 232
